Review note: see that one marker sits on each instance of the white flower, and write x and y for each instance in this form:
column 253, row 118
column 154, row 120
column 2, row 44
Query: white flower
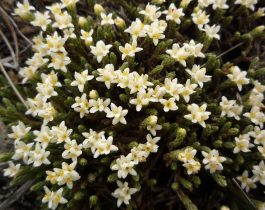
column 129, row 50
column 67, row 174
column 173, row 13
column 198, row 74
column 81, row 79
column 243, row 144
column 179, row 53
column 69, row 33
column 23, row 10
column 104, row 146
column 27, row 73
column 256, row 116
column 187, row 90
column 12, row 169
column 154, row 128
column 261, row 149
column 198, row 114
column 19, row 131
column 46, row 90
column 172, row 87
column 22, row 151
column 259, row 172
column 55, row 8
column 117, row 113
column 53, row 198
column 61, row 133
column 136, row 29
column 67, row 3
column 187, row 154
column 140, row 100
column 59, row 61
column 41, row 19
column 39, row 156
column 87, row 36
column 106, row 19
column 51, row 79
column 212, row 31
column 139, row 153
column 221, row 4
column 123, row 193
column 100, row 50
column 258, row 134
column 44, row 136
column 258, row 87
column 158, row 93
column 256, row 99
column 35, row 105
column 192, row 166
column 151, row 144
column 72, row 150
column 247, row 3
column 213, row 161
column 91, row 138
column 246, row 182
column 169, row 104
column 55, row 43
column 194, row 49
column 138, row 82
column 62, row 20
column 200, row 18
column 230, row 108
column 238, row 77
column 81, row 105
column 38, row 45
column 124, row 166
column 205, row 3
column 37, row 60
column 260, row 12
column 156, row 30
column 47, row 113
column 151, row 12
column 107, row 75
column 99, row 105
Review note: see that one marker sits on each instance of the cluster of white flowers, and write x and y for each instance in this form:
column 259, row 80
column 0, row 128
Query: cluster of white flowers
column 63, row 176
column 187, row 156
column 98, row 143
column 213, row 161
column 95, row 104
column 230, row 108
column 50, row 53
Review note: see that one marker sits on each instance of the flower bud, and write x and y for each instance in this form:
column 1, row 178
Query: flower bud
column 258, row 31
column 112, row 177
column 98, row 9
column 119, row 22
column 93, row 94
column 83, row 162
column 93, row 199
column 151, row 120
column 175, row 186
column 82, row 21
column 79, row 196
column 185, row 3
column 158, row 1
column 91, row 178
column 186, row 184
column 224, row 208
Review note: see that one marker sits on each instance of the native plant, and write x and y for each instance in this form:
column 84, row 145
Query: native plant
column 141, row 105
